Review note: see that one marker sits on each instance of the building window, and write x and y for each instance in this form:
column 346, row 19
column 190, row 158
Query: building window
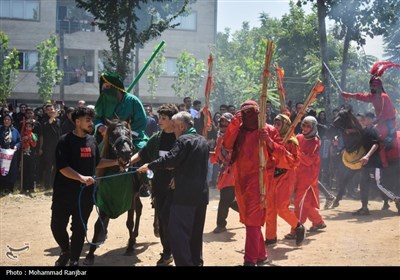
column 28, row 60
column 20, row 9
column 170, row 67
column 188, row 22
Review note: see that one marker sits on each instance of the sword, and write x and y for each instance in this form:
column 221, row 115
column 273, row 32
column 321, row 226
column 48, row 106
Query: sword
column 333, row 77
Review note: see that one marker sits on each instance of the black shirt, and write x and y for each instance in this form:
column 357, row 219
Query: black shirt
column 370, row 137
column 189, row 158
column 81, row 154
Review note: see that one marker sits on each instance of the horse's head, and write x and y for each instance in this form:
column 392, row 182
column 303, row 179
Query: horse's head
column 120, row 141
column 342, row 120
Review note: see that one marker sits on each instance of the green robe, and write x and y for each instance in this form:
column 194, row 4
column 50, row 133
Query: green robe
column 129, row 109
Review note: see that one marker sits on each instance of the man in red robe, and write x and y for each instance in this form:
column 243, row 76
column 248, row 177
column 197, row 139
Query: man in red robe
column 384, row 110
column 242, row 138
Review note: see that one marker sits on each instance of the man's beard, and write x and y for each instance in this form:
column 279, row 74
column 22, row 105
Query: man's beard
column 88, row 130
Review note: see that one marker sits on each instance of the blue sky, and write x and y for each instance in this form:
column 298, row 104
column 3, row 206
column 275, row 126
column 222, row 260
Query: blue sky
column 232, row 13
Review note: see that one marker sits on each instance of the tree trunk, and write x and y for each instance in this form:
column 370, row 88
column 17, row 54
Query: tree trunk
column 345, row 62
column 323, row 45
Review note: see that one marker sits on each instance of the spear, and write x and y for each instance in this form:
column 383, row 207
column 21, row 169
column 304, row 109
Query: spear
column 317, row 88
column 137, row 78
column 262, row 117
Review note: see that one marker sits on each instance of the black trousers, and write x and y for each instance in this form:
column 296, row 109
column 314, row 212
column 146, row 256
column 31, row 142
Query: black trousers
column 63, row 208
column 226, row 201
column 29, row 171
column 162, row 208
column 49, row 168
column 186, row 226
column 346, row 178
column 367, row 181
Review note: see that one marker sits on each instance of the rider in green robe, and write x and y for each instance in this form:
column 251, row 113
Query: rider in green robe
column 115, row 103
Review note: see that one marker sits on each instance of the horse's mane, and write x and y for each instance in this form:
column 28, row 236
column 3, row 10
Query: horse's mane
column 352, row 122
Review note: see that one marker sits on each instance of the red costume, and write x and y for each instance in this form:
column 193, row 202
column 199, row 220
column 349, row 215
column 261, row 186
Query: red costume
column 226, row 176
column 278, row 197
column 242, row 136
column 306, row 186
column 384, row 111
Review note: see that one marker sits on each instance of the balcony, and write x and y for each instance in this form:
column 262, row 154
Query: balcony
column 72, row 26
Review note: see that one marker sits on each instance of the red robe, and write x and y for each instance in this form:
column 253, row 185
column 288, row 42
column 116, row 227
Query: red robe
column 384, row 110
column 278, row 197
column 306, row 186
column 226, row 176
column 246, row 169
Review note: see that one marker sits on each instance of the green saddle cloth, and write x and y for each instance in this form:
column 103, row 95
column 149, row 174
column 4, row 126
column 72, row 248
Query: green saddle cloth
column 114, row 195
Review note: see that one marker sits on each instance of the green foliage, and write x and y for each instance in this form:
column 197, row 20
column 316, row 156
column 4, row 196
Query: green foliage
column 9, row 63
column 241, row 55
column 128, row 23
column 392, row 41
column 190, row 74
column 47, row 70
column 157, row 68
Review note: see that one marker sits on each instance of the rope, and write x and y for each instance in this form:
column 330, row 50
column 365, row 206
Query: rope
column 133, row 170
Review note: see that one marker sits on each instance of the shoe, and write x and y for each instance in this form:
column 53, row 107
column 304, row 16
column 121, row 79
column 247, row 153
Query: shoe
column 165, row 260
column 317, row 227
column 361, row 212
column 385, row 206
column 263, row 262
column 73, row 263
column 249, row 264
column 335, row 203
column 219, row 229
column 290, row 236
column 62, row 259
column 269, row 242
column 329, row 202
column 300, row 234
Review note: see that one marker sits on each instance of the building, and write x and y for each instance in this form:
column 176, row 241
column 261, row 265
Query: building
column 29, row 22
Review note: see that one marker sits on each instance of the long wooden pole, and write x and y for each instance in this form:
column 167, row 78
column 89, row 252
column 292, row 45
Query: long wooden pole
column 317, row 88
column 209, row 88
column 281, row 90
column 262, row 118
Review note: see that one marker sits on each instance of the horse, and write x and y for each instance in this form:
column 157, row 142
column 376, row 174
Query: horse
column 118, row 194
column 353, row 152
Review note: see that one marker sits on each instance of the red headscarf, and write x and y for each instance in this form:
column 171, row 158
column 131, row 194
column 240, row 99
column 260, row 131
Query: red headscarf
column 250, row 112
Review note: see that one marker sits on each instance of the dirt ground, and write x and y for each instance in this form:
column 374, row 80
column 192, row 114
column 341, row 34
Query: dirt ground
column 347, row 241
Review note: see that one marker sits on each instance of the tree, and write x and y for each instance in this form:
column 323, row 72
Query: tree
column 392, row 42
column 128, row 23
column 47, row 70
column 9, row 63
column 157, row 68
column 240, row 58
column 189, row 75
column 357, row 19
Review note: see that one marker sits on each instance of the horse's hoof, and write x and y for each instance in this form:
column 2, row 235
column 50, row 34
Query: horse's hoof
column 129, row 251
column 89, row 260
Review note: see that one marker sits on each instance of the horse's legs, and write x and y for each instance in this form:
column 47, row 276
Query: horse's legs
column 133, row 227
column 100, row 235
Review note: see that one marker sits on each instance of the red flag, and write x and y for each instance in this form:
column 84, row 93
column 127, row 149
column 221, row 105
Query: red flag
column 208, row 90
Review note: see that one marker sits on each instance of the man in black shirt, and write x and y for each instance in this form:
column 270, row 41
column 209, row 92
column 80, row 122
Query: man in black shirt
column 370, row 161
column 189, row 160
column 77, row 157
column 157, row 146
